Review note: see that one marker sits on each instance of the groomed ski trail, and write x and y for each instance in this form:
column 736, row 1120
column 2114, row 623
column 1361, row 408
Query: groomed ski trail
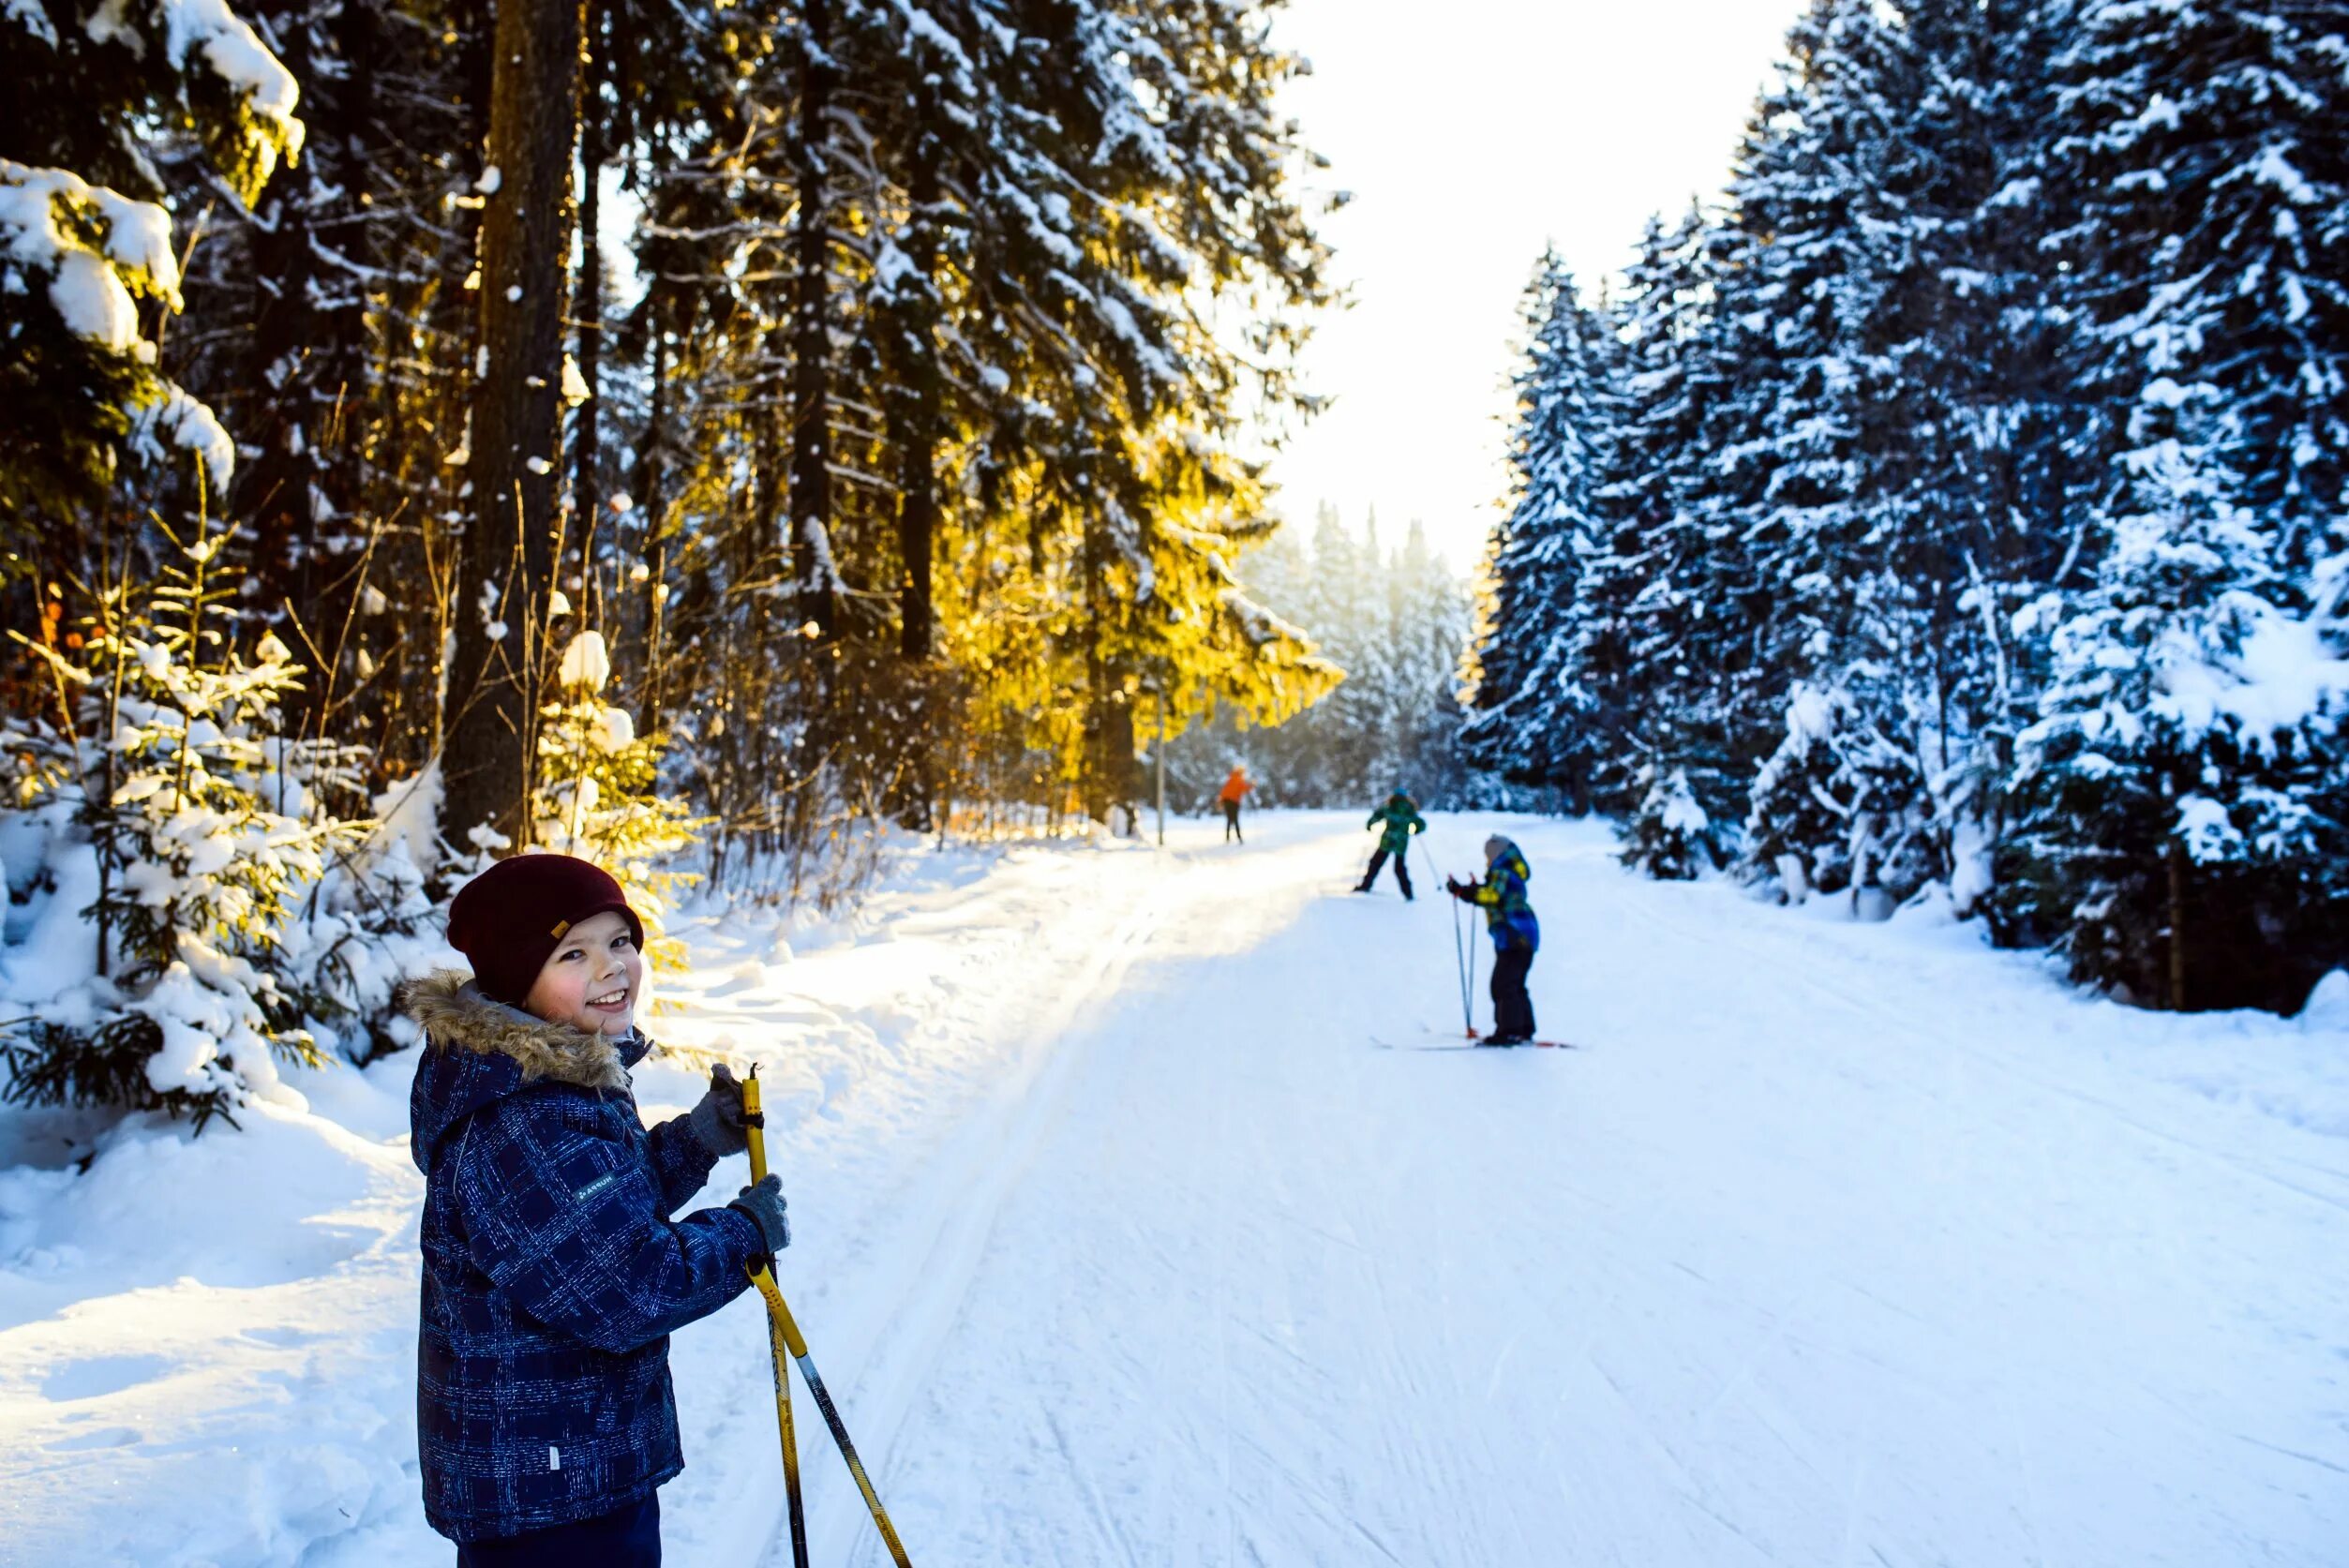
column 1846, row 1249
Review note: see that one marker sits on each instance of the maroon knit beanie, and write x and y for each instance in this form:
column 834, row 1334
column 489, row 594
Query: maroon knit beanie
column 507, row 920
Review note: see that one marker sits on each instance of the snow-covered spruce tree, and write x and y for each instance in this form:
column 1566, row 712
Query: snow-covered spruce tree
column 84, row 237
column 1971, row 478
column 1669, row 835
column 2199, row 154
column 1841, row 805
column 1810, row 244
column 1828, row 431
column 599, row 795
column 1431, row 612
column 2180, row 795
column 225, row 923
column 1535, row 719
column 2178, row 829
column 1653, row 636
column 1346, row 732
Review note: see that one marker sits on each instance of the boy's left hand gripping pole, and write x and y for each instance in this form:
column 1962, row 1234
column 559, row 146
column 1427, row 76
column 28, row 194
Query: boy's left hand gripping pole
column 784, row 1335
column 763, row 1275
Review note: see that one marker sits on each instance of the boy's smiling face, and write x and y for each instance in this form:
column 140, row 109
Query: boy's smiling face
column 592, row 979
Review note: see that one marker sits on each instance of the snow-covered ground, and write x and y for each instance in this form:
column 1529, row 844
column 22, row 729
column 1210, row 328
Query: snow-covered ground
column 1122, row 1241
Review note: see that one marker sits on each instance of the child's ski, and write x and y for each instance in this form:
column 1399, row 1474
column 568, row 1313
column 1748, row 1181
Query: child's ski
column 1473, row 1042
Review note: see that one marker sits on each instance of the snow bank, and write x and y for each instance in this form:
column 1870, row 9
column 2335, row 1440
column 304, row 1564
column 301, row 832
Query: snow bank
column 222, row 1330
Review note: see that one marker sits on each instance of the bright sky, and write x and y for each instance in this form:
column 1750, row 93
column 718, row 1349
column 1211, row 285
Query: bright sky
column 1469, row 133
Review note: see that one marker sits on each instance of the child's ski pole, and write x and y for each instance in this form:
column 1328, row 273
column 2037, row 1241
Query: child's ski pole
column 778, row 1344
column 785, row 1334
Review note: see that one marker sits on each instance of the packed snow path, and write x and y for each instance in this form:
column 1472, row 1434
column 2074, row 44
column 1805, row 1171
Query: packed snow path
column 1121, row 1243
column 1830, row 1249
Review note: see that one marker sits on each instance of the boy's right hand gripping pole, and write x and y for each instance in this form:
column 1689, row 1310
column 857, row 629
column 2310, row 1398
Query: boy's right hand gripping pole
column 785, row 1335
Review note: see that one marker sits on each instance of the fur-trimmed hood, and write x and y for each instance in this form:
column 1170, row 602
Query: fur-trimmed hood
column 479, row 1049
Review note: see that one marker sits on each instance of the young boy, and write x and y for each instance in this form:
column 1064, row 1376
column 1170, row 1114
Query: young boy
column 1401, row 817
column 552, row 1273
column 1517, row 936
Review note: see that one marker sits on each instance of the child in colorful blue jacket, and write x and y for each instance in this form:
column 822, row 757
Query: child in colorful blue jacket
column 553, row 1273
column 1517, row 936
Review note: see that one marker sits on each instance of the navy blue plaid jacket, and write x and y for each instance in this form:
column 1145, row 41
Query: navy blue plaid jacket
column 552, row 1273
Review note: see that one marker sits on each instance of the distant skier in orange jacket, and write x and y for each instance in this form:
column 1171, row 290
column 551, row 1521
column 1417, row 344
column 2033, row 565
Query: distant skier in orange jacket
column 1235, row 789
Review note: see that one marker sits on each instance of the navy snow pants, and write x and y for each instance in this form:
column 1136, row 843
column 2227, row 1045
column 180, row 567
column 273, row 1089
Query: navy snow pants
column 1512, row 1008
column 626, row 1538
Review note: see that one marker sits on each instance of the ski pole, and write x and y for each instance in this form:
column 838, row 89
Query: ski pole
column 1460, row 953
column 785, row 1330
column 778, row 1345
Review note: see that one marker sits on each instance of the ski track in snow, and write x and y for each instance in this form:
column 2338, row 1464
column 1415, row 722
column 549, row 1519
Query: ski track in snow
column 1119, row 1243
column 1838, row 1251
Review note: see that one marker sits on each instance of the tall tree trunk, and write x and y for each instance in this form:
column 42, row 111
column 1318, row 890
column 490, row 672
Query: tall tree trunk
column 587, row 490
column 1093, row 782
column 508, row 557
column 333, row 393
column 812, row 350
column 768, row 540
column 274, row 486
column 918, row 399
column 650, row 507
column 2177, row 925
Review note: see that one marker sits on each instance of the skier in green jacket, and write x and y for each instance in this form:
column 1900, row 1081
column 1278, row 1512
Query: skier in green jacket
column 1401, row 817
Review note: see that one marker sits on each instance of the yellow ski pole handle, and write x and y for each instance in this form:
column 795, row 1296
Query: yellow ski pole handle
column 755, row 1122
column 784, row 1333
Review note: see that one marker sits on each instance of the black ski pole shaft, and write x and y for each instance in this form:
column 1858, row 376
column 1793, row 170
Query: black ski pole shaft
column 783, row 1329
column 763, row 1275
column 840, row 1435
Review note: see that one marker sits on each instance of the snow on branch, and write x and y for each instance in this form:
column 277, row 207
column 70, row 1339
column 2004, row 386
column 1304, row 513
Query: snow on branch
column 232, row 52
column 179, row 421
column 94, row 248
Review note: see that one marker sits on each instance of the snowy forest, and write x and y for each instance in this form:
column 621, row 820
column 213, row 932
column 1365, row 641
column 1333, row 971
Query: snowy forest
column 1395, row 619
column 598, row 596
column 1959, row 507
column 711, row 440
column 618, row 429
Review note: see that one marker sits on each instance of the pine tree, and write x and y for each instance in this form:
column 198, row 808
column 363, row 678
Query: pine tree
column 1826, row 228
column 84, row 238
column 507, row 566
column 1652, row 632
column 230, row 926
column 1535, row 721
column 2180, row 830
column 2177, row 798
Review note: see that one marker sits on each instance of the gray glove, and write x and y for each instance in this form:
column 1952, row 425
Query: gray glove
column 716, row 1122
column 765, row 1205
